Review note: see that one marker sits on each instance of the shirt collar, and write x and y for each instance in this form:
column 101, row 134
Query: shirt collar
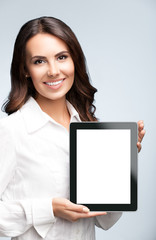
column 35, row 118
column 73, row 113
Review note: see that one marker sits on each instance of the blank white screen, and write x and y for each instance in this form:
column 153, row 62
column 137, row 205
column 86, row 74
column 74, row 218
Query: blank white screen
column 103, row 166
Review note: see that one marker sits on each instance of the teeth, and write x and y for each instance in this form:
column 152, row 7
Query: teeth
column 53, row 83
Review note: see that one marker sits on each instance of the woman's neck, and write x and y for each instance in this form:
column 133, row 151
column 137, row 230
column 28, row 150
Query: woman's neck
column 56, row 109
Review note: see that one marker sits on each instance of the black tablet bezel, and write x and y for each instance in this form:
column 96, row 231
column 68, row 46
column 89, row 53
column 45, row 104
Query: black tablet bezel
column 73, row 163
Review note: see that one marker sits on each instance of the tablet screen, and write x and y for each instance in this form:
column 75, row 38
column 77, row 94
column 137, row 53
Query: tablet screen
column 104, row 157
column 104, row 163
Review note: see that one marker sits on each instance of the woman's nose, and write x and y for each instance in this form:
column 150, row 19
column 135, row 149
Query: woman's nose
column 53, row 70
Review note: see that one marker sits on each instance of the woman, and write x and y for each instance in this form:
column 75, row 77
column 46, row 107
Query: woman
column 50, row 89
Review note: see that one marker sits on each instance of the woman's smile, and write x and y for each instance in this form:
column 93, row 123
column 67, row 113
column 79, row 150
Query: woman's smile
column 55, row 84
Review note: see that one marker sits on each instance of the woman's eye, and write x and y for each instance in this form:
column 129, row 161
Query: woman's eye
column 39, row 61
column 63, row 57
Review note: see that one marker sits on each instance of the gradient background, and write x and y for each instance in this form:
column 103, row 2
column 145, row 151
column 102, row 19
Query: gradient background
column 119, row 40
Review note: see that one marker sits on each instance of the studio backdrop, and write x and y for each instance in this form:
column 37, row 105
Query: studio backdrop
column 119, row 42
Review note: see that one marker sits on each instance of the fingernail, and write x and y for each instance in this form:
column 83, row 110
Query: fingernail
column 85, row 209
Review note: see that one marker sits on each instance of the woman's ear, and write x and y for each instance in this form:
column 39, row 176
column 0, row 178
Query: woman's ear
column 27, row 75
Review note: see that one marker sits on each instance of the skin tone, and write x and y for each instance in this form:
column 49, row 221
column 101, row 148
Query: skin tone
column 51, row 68
column 141, row 133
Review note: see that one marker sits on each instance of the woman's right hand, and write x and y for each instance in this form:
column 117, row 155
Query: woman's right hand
column 63, row 208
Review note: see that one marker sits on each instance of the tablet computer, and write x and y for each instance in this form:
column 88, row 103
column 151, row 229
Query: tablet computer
column 103, row 165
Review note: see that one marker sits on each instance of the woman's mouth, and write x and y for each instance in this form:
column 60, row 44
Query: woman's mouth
column 55, row 84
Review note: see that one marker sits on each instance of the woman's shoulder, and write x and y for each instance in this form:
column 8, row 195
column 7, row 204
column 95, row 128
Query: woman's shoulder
column 10, row 122
column 16, row 118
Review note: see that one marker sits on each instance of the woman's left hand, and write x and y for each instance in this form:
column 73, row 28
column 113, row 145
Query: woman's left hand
column 141, row 133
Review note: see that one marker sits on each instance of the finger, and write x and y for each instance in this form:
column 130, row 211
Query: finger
column 74, row 216
column 141, row 135
column 92, row 214
column 140, row 121
column 140, row 125
column 139, row 146
column 87, row 215
column 76, row 208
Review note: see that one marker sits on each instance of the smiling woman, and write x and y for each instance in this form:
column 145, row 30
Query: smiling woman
column 50, row 88
column 30, row 53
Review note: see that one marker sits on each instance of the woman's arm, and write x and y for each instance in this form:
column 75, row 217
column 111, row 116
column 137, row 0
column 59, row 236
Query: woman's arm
column 18, row 216
column 111, row 218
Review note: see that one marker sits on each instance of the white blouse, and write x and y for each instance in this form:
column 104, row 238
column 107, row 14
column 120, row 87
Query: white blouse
column 34, row 163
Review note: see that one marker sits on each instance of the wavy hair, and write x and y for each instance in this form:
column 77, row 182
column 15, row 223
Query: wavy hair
column 81, row 95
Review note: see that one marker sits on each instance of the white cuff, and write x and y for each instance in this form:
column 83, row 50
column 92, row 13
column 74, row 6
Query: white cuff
column 107, row 221
column 43, row 217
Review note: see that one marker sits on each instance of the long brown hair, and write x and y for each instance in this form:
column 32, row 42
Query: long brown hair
column 81, row 95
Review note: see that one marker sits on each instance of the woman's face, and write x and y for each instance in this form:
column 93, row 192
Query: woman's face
column 50, row 66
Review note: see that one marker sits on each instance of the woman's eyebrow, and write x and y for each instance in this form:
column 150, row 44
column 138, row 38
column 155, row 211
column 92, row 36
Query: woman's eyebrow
column 60, row 53
column 43, row 57
column 34, row 57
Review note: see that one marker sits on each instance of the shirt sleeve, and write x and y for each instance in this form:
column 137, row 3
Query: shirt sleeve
column 107, row 221
column 16, row 217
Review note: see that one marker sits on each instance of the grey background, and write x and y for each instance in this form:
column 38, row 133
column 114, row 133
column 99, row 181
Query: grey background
column 118, row 39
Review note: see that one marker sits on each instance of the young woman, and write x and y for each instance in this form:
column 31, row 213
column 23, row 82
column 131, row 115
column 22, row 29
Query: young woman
column 50, row 88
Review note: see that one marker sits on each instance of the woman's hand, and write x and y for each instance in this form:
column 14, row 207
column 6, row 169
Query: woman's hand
column 63, row 208
column 141, row 133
